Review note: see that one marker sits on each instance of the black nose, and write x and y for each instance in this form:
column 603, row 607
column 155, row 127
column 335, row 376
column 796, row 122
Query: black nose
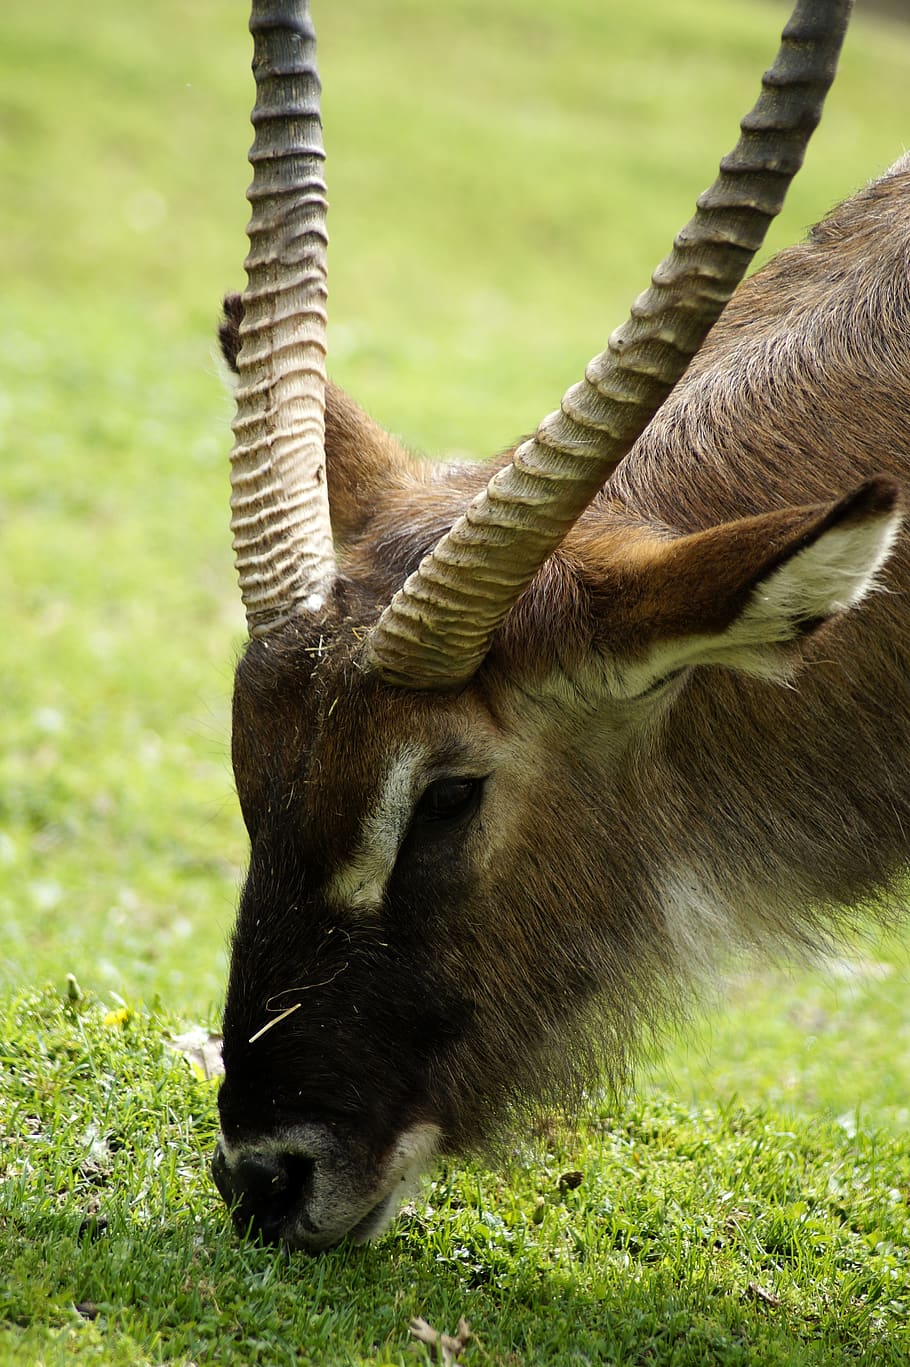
column 264, row 1189
column 261, row 1177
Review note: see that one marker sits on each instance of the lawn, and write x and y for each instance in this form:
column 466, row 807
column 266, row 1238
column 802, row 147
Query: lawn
column 502, row 177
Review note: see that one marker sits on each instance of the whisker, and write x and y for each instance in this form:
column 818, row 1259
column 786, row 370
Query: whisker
column 304, row 987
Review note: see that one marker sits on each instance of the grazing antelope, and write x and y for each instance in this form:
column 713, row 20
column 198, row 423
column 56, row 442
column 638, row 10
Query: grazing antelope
column 510, row 741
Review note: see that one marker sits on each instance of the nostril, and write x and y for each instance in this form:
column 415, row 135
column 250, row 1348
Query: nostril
column 300, row 1172
column 268, row 1191
column 260, row 1176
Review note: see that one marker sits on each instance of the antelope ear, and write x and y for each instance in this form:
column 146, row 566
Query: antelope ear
column 740, row 593
column 367, row 469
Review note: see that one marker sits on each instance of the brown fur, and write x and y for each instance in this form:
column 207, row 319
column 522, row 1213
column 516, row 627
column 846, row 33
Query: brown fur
column 648, row 796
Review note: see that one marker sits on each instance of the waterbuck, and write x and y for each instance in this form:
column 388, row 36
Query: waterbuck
column 519, row 746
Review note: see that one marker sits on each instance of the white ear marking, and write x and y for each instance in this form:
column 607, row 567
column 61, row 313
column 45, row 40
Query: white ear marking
column 834, row 573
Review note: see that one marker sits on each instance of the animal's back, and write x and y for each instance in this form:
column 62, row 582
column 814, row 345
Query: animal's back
column 793, row 803
column 801, row 389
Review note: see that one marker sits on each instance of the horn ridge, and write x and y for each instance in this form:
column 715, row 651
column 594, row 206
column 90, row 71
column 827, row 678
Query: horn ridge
column 279, row 503
column 555, row 474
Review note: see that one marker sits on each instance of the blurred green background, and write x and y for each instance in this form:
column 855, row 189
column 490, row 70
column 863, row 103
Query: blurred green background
column 503, row 177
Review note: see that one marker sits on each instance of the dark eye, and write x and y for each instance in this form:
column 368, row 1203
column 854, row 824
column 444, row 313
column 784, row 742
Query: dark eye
column 448, row 800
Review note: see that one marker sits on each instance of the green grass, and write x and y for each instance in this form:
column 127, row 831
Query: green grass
column 661, row 1232
column 503, row 177
column 835, row 1039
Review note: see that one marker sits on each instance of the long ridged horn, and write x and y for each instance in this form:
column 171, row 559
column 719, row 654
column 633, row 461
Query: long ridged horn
column 438, row 627
column 279, row 500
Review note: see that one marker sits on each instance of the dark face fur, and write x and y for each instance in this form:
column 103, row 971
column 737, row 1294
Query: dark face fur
column 392, row 969
column 357, row 1057
column 336, row 921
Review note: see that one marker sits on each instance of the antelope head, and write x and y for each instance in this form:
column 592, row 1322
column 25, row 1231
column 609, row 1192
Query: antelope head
column 454, row 683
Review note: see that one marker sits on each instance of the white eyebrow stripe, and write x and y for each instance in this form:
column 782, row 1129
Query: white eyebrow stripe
column 359, row 884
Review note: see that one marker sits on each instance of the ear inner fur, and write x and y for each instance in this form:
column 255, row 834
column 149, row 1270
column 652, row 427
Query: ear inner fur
column 625, row 591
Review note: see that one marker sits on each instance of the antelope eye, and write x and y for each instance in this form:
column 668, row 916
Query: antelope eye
column 448, row 800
